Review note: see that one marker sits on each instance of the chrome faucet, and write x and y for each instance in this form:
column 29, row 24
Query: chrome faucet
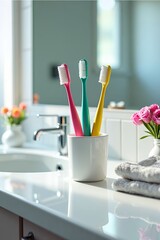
column 62, row 130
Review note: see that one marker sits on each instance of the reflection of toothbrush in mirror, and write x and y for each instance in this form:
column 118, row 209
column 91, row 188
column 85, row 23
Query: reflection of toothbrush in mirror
column 65, row 80
column 104, row 79
column 83, row 74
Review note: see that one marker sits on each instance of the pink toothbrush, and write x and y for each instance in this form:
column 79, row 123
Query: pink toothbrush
column 65, row 80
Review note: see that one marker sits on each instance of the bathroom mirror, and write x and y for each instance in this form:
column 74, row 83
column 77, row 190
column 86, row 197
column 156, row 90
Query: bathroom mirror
column 65, row 32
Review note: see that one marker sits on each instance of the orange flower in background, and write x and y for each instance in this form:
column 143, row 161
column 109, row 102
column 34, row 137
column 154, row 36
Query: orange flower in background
column 16, row 112
column 4, row 110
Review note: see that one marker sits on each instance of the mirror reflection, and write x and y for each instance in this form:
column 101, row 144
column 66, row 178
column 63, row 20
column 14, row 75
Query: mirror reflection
column 66, row 31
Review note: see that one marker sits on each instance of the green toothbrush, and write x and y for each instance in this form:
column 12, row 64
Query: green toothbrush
column 83, row 74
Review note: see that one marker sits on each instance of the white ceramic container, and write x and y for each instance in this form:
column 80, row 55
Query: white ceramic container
column 88, row 157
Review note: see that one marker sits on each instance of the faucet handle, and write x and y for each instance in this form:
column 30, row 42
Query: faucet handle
column 62, row 119
column 47, row 115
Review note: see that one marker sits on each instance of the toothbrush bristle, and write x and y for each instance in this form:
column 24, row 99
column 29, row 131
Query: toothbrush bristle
column 63, row 74
column 82, row 69
column 105, row 70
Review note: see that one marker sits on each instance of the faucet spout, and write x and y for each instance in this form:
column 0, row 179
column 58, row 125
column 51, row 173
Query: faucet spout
column 62, row 130
column 56, row 130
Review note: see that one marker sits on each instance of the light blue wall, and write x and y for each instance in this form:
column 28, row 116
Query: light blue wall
column 145, row 85
column 59, row 37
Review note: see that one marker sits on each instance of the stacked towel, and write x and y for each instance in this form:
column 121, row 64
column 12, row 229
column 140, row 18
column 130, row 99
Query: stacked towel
column 142, row 178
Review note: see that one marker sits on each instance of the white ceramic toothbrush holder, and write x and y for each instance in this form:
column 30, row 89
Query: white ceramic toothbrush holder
column 88, row 157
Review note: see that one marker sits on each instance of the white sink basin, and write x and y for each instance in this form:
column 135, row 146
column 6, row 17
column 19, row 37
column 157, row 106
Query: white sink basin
column 30, row 162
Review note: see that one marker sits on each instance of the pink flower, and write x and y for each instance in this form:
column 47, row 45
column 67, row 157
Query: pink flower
column 153, row 107
column 145, row 114
column 136, row 119
column 149, row 116
column 22, row 106
column 156, row 117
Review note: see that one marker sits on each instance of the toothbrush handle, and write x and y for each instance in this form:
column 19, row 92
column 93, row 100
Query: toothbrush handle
column 74, row 114
column 99, row 113
column 85, row 112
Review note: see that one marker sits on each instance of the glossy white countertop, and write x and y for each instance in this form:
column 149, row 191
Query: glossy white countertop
column 79, row 211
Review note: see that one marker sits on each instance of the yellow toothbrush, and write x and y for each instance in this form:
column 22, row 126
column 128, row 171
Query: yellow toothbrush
column 104, row 79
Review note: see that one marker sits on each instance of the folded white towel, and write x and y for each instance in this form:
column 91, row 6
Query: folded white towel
column 142, row 178
column 147, row 170
column 137, row 187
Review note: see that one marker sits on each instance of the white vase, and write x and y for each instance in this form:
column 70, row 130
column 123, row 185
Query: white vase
column 155, row 151
column 13, row 136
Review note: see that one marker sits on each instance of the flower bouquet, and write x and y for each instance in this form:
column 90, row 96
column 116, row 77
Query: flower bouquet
column 14, row 136
column 14, row 116
column 149, row 116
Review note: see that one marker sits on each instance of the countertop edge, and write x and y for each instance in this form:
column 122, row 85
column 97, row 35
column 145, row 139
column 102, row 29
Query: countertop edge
column 53, row 222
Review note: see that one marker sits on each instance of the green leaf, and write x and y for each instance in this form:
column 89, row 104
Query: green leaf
column 150, row 129
column 156, row 130
column 148, row 132
column 145, row 136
